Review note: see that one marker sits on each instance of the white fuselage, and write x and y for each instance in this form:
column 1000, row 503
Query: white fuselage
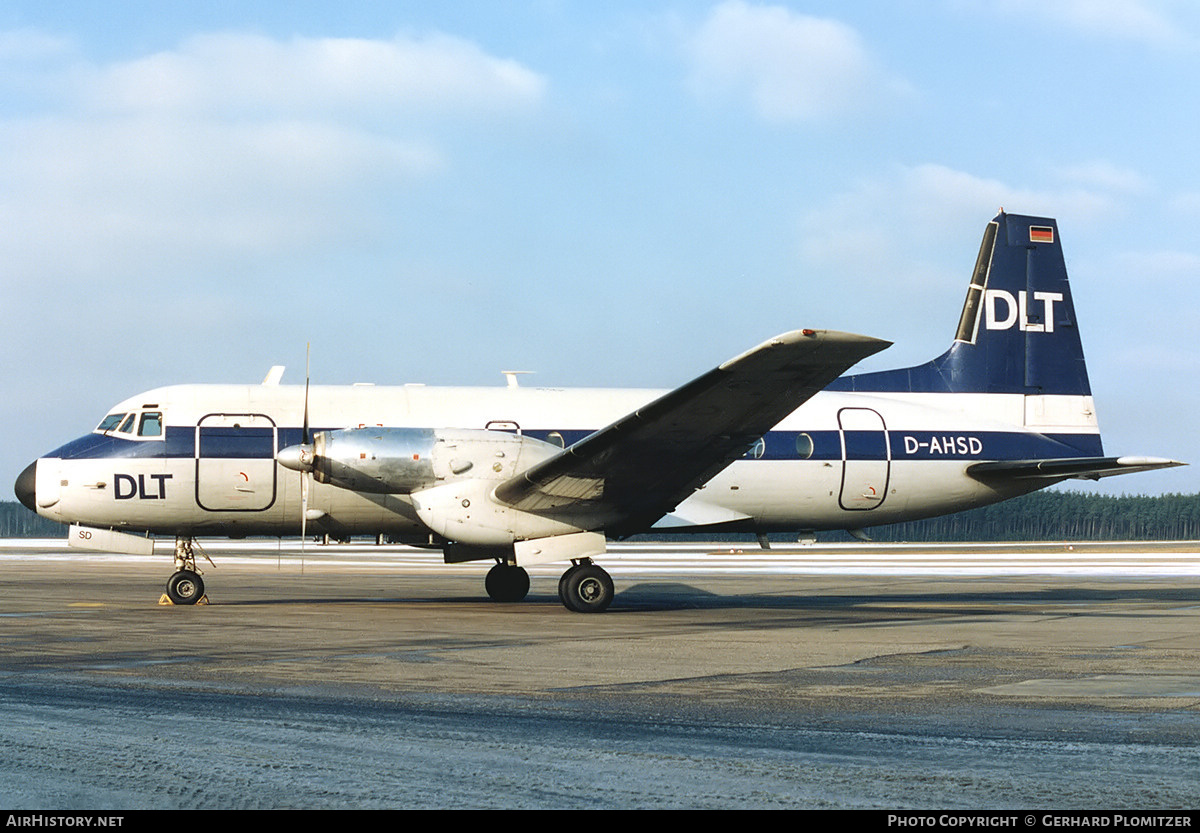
column 841, row 461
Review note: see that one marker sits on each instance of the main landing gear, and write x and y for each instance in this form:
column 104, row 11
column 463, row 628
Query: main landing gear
column 586, row 588
column 583, row 588
column 185, row 587
column 507, row 582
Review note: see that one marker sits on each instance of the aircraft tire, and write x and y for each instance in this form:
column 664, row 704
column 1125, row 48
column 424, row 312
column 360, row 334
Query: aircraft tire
column 586, row 589
column 562, row 586
column 185, row 588
column 507, row 583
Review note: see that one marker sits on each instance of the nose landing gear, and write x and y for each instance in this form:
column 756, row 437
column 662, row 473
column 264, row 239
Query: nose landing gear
column 185, row 587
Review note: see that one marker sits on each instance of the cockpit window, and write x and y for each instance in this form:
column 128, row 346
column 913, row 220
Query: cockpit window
column 151, row 424
column 142, row 424
column 110, row 422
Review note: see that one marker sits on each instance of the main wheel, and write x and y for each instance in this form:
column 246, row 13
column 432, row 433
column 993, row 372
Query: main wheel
column 562, row 586
column 185, row 588
column 586, row 588
column 507, row 583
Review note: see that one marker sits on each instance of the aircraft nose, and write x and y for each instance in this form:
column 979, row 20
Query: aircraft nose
column 26, row 486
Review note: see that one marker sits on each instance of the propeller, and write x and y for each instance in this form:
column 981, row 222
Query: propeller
column 301, row 458
column 305, row 443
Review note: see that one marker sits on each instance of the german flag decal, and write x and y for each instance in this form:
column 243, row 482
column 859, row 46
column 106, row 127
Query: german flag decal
column 1041, row 234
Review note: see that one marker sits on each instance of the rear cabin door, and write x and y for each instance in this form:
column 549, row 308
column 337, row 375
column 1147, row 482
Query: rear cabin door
column 866, row 461
column 235, row 462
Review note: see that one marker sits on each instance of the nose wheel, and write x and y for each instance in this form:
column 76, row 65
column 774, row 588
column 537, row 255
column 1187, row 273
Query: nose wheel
column 185, row 588
column 586, row 588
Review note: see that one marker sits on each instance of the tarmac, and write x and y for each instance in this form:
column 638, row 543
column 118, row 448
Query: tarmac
column 862, row 676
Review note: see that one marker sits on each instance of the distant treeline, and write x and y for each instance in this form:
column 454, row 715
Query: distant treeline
column 1042, row 516
column 1060, row 516
column 18, row 522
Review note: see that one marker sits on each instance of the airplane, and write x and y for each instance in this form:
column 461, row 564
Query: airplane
column 775, row 439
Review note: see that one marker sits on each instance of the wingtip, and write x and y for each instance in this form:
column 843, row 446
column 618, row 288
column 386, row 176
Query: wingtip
column 1150, row 462
column 833, row 336
column 860, row 346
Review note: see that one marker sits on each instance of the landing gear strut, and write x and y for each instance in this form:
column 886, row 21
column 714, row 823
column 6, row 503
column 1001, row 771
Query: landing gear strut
column 586, row 588
column 507, row 582
column 185, row 587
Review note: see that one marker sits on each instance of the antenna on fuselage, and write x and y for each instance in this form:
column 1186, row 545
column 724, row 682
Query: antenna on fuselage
column 511, row 376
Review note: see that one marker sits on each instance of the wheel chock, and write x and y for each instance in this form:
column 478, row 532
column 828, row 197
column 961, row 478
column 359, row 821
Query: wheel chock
column 164, row 599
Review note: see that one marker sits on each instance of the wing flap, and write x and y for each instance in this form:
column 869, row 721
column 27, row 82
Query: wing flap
column 1083, row 468
column 695, row 512
column 628, row 475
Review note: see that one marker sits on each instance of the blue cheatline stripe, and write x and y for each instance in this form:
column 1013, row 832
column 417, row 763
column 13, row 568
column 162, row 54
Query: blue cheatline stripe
column 237, row 443
column 254, row 443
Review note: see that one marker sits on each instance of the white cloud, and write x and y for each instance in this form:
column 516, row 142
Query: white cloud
column 897, row 249
column 898, row 226
column 234, row 73
column 86, row 197
column 1105, row 176
column 230, row 146
column 792, row 67
column 1186, row 202
column 30, row 46
column 1146, row 21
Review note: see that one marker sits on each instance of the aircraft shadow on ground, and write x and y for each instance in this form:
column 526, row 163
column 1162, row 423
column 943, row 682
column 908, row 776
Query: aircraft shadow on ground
column 663, row 596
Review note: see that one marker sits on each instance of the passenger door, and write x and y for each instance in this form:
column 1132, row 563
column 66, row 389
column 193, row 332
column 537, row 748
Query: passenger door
column 235, row 462
column 866, row 460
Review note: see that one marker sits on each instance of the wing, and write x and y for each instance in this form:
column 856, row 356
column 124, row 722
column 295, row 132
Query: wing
column 1083, row 468
column 625, row 477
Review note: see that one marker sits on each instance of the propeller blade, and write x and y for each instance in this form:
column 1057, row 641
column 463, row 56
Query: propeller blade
column 307, row 355
column 303, row 512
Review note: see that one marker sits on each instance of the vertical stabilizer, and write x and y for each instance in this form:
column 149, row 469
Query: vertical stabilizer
column 1017, row 333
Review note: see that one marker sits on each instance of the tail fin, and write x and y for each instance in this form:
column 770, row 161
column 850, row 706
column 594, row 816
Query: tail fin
column 1017, row 333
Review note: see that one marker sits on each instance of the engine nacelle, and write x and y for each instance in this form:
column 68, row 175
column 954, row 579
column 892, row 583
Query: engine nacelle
column 466, row 512
column 382, row 460
column 406, row 460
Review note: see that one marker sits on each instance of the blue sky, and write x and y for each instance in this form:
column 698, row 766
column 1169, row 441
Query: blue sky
column 606, row 194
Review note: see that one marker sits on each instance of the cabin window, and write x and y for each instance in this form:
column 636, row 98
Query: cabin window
column 804, row 446
column 110, row 422
column 151, row 424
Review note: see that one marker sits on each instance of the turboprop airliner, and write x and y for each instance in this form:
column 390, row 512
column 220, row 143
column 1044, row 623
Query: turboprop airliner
column 775, row 439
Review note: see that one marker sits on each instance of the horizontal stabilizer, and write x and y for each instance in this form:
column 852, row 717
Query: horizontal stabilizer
column 1083, row 468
